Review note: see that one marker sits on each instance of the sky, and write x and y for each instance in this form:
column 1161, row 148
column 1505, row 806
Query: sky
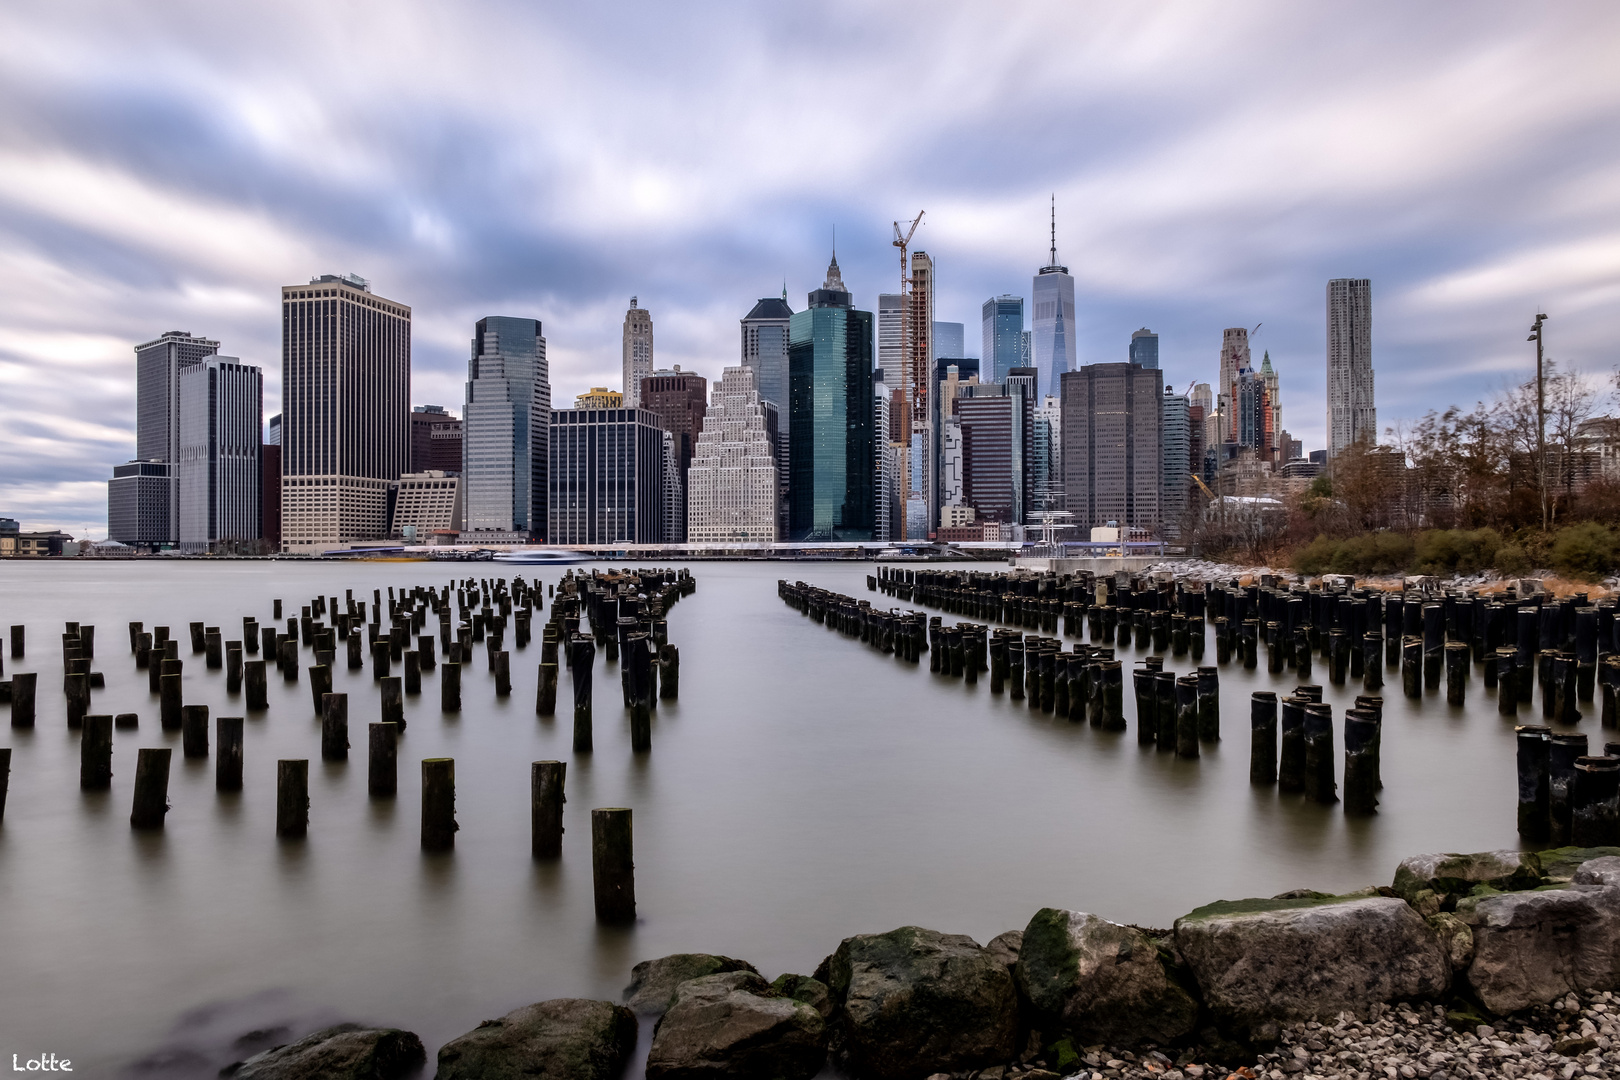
column 170, row 165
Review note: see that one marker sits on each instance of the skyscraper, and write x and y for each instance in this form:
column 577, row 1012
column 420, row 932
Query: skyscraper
column 731, row 485
column 605, row 477
column 949, row 339
column 679, row 399
column 1002, row 337
column 638, row 352
column 346, row 392
column 890, row 333
column 219, row 469
column 1273, row 385
column 1111, row 445
column 1145, row 348
column 505, row 430
column 149, row 508
column 889, row 520
column 1235, row 360
column 831, row 437
column 998, row 446
column 435, row 440
column 1175, row 458
column 765, row 350
column 1352, row 415
column 1054, row 319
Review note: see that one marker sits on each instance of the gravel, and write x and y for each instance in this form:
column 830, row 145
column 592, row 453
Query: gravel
column 1576, row 1037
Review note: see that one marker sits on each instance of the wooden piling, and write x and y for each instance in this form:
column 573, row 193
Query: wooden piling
column 95, row 753
column 1595, row 802
column 413, row 672
column 126, row 720
column 169, row 700
column 439, row 804
column 381, row 650
column 5, row 778
column 1291, row 751
column 335, row 727
column 545, row 701
column 503, row 673
column 23, row 687
column 1534, row 741
column 546, row 799
column 1209, row 704
column 292, row 797
column 151, row 800
column 18, row 636
column 382, row 768
column 320, row 684
column 1361, row 782
column 450, row 688
column 233, row 667
column 1372, row 666
column 581, row 657
column 287, row 655
column 77, row 687
column 1412, row 667
column 1563, row 751
column 1147, row 707
column 1263, row 737
column 1165, row 708
column 1187, row 716
column 613, row 873
column 194, row 730
column 1457, row 661
column 228, row 754
column 1320, row 784
column 669, row 670
column 213, row 656
column 198, row 642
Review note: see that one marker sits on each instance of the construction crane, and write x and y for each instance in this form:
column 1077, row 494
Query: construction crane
column 913, row 383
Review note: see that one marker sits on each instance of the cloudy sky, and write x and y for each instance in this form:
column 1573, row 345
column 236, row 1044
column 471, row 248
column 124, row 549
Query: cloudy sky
column 169, row 165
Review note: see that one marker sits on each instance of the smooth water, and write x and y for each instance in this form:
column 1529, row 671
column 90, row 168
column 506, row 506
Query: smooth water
column 804, row 788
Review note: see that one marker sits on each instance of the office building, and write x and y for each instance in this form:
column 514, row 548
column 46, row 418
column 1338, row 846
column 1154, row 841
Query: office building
column 1235, row 361
column 1046, row 480
column 139, row 498
column 270, row 493
column 599, row 397
column 1352, row 415
column 1111, row 446
column 606, row 477
column 424, row 506
column 673, row 526
column 1053, row 310
column 1002, row 337
column 1268, row 376
column 1175, row 459
column 731, row 484
column 678, row 398
column 890, row 330
column 436, row 436
column 920, row 333
column 346, row 393
column 158, row 364
column 272, row 431
column 949, row 339
column 1145, row 348
column 888, row 454
column 638, row 351
column 505, row 431
column 765, row 350
column 218, row 473
column 997, row 423
column 832, row 483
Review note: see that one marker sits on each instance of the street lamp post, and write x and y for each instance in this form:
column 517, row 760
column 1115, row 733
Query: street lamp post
column 1541, row 420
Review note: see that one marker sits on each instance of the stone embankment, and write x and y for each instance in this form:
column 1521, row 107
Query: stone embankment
column 1493, row 964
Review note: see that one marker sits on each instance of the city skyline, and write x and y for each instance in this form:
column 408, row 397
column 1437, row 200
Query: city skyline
column 1232, row 207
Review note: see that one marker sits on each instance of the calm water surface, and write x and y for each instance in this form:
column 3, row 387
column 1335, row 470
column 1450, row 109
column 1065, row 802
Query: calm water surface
column 804, row 788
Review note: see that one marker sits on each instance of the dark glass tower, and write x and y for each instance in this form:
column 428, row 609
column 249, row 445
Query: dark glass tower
column 832, row 471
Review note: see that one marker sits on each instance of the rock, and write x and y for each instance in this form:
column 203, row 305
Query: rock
column 345, row 1052
column 565, row 1037
column 733, row 1024
column 1531, row 948
column 813, row 992
column 1559, row 865
column 913, row 1002
column 1455, row 874
column 653, row 982
column 1004, row 947
column 1601, row 871
column 1098, row 981
column 1456, row 939
column 1279, row 960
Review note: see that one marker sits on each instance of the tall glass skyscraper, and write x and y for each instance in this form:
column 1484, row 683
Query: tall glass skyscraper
column 765, row 350
column 1054, row 320
column 1145, row 348
column 505, row 428
column 1003, row 337
column 832, row 472
column 218, row 472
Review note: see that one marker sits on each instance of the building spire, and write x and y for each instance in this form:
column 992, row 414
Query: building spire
column 1053, row 260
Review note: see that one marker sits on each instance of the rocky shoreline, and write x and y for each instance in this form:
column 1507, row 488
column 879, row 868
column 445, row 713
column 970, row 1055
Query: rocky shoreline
column 1495, row 964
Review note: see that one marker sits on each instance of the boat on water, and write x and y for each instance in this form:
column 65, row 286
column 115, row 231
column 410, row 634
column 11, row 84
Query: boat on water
column 542, row 557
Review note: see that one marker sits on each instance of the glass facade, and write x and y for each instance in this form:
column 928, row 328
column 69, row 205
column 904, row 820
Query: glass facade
column 1145, row 348
column 832, row 488
column 606, row 477
column 1003, row 337
column 504, row 442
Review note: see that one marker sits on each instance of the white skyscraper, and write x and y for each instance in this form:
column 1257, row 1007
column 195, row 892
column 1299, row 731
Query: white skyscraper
column 1053, row 321
column 505, row 448
column 732, row 479
column 1352, row 416
column 638, row 352
column 221, row 409
column 889, row 357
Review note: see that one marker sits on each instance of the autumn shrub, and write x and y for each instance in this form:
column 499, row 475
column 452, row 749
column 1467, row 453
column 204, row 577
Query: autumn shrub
column 1586, row 550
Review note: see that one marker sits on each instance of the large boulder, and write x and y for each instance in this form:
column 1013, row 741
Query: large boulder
column 653, row 982
column 1096, row 981
column 1004, row 947
column 803, row 988
column 571, row 1038
column 734, row 1024
column 345, row 1052
column 1603, row 871
column 1531, row 948
column 1456, row 875
column 1558, row 865
column 914, row 1002
column 1279, row 960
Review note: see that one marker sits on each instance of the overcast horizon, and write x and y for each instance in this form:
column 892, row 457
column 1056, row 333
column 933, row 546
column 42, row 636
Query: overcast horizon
column 171, row 165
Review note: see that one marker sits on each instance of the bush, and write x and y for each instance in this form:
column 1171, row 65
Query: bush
column 1459, row 551
column 1585, row 550
column 1511, row 560
column 1315, row 557
column 1368, row 553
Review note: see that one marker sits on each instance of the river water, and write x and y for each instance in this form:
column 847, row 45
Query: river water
column 804, row 788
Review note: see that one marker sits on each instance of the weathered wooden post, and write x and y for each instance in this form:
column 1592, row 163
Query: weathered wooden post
column 77, row 687
column 213, row 657
column 1291, row 758
column 1361, row 783
column 292, row 797
column 194, row 730
column 424, row 651
column 382, row 760
column 1165, row 708
column 1147, row 706
column 1566, row 707
column 1595, row 802
column 169, row 700
column 270, row 640
column 198, row 642
column 450, row 688
column 545, row 703
column 1412, row 667
column 1263, row 737
column 613, row 871
column 413, row 672
column 1562, row 752
column 95, row 753
column 1187, row 716
column 669, row 665
column 546, row 800
column 335, row 727
column 1320, row 784
column 581, row 657
column 380, row 653
column 503, row 673
column 439, row 804
column 275, row 609
column 1209, row 704
column 23, row 685
column 1372, row 665
column 228, row 756
column 1338, row 656
column 151, row 801
column 637, row 658
column 1534, row 743
column 287, row 654
column 1457, row 663
column 258, row 690
column 1251, row 634
column 320, row 684
column 5, row 778
column 18, row 634
column 233, row 667
column 126, row 720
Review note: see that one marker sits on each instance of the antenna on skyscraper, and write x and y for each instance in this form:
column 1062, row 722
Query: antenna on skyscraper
column 1053, row 261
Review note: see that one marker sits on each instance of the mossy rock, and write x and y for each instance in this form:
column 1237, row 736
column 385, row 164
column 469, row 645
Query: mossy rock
column 1560, row 864
column 1456, row 874
column 1254, row 905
